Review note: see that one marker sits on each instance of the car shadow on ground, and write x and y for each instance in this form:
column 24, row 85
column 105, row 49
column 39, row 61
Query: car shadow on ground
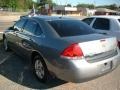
column 14, row 69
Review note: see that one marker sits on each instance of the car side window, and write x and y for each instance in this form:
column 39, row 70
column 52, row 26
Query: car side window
column 101, row 23
column 30, row 27
column 19, row 24
column 119, row 20
column 88, row 20
column 38, row 30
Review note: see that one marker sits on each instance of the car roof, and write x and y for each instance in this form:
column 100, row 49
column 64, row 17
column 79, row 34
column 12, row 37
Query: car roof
column 52, row 18
column 107, row 16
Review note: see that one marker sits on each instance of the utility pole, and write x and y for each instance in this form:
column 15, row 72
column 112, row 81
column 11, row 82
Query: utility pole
column 66, row 2
column 94, row 4
column 60, row 2
column 118, row 4
column 33, row 8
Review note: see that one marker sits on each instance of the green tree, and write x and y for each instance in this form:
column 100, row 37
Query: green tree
column 112, row 6
column 12, row 4
column 23, row 5
column 54, row 4
column 68, row 5
column 16, row 4
column 43, row 2
column 86, row 5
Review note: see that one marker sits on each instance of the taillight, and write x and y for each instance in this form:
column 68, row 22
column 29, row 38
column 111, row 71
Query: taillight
column 72, row 51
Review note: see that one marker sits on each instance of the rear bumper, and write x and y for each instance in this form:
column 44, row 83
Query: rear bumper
column 80, row 70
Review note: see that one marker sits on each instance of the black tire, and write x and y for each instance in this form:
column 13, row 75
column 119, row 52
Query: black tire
column 5, row 44
column 41, row 70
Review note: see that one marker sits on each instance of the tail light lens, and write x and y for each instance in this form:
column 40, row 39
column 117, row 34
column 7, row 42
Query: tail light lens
column 72, row 51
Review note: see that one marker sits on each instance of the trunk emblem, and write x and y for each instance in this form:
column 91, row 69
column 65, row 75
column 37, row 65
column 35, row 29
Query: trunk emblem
column 103, row 43
column 103, row 40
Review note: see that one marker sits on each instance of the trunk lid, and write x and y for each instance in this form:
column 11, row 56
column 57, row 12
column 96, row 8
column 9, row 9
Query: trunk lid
column 94, row 44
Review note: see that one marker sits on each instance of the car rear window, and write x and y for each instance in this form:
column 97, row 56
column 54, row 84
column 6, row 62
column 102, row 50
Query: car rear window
column 119, row 20
column 70, row 27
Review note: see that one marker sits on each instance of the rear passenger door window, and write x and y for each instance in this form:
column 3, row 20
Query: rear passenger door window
column 32, row 27
column 102, row 24
column 38, row 30
column 88, row 20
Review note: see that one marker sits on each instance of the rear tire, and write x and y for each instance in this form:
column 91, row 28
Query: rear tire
column 40, row 68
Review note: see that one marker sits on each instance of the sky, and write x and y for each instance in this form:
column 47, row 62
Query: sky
column 96, row 2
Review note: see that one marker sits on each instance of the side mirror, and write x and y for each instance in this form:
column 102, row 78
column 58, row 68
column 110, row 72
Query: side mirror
column 15, row 29
column 10, row 28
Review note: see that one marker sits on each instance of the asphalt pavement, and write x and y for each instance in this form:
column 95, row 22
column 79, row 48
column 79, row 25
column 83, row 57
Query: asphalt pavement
column 15, row 74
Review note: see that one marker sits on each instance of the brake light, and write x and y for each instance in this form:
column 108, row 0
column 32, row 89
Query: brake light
column 72, row 51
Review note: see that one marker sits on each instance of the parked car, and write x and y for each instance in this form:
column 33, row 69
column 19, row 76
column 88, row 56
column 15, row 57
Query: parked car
column 109, row 25
column 63, row 47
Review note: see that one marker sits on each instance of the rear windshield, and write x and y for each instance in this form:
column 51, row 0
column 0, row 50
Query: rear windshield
column 70, row 27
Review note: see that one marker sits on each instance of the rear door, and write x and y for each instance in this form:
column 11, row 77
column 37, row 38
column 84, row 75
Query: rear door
column 102, row 26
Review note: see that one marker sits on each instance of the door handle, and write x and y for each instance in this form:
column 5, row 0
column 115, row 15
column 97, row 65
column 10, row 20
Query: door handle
column 15, row 33
column 26, row 45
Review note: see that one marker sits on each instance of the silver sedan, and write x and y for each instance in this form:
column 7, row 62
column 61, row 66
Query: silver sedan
column 66, row 48
column 108, row 25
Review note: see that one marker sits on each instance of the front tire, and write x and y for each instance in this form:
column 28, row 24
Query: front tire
column 40, row 68
column 5, row 44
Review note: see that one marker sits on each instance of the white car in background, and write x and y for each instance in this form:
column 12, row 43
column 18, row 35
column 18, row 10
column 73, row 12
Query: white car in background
column 109, row 25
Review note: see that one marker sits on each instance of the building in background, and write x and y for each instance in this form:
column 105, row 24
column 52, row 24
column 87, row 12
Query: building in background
column 73, row 11
column 104, row 11
column 64, row 10
column 86, row 11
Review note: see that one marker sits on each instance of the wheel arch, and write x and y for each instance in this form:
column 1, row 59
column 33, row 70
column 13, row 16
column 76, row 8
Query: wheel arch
column 34, row 53
column 3, row 36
